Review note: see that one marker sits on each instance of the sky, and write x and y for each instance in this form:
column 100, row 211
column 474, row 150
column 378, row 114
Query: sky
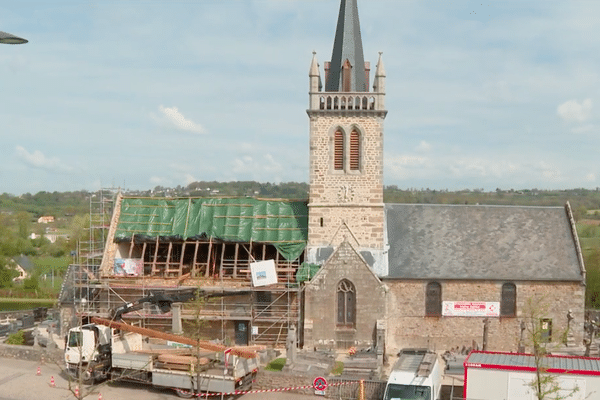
column 144, row 93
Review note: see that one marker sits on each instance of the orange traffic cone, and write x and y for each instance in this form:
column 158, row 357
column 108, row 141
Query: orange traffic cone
column 52, row 382
column 39, row 371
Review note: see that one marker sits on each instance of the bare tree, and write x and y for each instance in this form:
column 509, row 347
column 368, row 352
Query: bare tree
column 545, row 385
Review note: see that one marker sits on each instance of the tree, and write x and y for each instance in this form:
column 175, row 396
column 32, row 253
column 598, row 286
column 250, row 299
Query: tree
column 545, row 385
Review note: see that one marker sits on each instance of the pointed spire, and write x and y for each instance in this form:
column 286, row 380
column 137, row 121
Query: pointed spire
column 380, row 69
column 379, row 81
column 314, row 66
column 347, row 47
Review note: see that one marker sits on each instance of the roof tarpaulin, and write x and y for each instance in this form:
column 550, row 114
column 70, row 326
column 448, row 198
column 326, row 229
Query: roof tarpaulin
column 283, row 224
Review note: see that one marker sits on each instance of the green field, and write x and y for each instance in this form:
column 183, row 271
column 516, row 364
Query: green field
column 13, row 304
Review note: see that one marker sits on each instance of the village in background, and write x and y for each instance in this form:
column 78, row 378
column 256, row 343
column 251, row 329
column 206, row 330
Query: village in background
column 39, row 233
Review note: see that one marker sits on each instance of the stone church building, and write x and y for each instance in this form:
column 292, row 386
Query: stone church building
column 410, row 275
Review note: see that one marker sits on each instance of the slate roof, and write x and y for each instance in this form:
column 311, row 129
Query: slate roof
column 347, row 46
column 24, row 262
column 480, row 242
column 526, row 361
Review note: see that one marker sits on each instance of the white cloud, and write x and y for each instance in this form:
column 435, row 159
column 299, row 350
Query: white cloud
column 252, row 168
column 176, row 118
column 583, row 128
column 590, row 177
column 423, row 146
column 189, row 178
column 575, row 111
column 37, row 159
column 160, row 181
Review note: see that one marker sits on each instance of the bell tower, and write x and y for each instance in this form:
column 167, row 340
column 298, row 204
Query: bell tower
column 346, row 146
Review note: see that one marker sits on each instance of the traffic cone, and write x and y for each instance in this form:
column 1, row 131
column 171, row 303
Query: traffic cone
column 52, row 384
column 39, row 371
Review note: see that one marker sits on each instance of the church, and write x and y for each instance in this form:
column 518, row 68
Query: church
column 414, row 275
column 348, row 269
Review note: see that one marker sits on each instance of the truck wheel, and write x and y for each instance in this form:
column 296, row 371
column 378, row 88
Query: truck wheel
column 87, row 375
column 185, row 394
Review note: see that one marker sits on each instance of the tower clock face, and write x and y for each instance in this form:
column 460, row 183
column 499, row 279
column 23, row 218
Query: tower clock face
column 346, row 194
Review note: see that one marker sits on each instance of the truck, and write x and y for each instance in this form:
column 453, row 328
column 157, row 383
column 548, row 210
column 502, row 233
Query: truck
column 109, row 349
column 417, row 375
column 511, row 376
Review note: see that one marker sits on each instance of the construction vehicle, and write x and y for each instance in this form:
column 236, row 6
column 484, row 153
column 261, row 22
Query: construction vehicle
column 111, row 349
column 417, row 375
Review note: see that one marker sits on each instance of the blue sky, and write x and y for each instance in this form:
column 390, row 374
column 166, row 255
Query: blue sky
column 136, row 94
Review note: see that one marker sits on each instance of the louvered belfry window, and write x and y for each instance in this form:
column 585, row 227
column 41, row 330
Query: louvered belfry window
column 338, row 151
column 354, row 150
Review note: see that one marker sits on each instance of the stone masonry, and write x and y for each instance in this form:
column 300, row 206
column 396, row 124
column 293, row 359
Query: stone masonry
column 351, row 197
column 321, row 330
column 409, row 327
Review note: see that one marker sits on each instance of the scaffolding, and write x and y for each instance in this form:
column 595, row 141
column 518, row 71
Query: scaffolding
column 119, row 264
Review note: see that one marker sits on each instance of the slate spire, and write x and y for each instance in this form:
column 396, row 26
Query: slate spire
column 347, row 68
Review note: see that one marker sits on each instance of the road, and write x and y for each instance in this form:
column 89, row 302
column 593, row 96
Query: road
column 19, row 381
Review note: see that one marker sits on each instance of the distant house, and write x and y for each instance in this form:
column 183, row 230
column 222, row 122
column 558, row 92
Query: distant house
column 45, row 219
column 24, row 266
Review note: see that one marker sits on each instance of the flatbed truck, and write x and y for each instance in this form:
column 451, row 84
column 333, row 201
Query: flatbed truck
column 107, row 349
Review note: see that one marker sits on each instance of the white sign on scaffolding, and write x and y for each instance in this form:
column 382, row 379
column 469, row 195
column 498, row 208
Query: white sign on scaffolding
column 263, row 273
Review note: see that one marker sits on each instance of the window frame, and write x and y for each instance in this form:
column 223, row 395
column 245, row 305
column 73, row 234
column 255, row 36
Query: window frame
column 506, row 301
column 433, row 294
column 345, row 304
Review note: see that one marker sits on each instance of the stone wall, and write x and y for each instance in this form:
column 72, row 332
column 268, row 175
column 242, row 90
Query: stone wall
column 276, row 380
column 409, row 327
column 31, row 353
column 352, row 197
column 321, row 328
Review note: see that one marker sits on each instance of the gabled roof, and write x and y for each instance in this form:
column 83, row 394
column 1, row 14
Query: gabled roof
column 281, row 223
column 526, row 362
column 24, row 262
column 347, row 46
column 481, row 242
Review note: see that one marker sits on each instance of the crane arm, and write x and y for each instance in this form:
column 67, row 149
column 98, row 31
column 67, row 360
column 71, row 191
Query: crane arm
column 237, row 351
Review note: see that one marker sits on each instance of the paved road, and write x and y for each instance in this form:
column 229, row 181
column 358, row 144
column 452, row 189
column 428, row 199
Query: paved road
column 19, row 381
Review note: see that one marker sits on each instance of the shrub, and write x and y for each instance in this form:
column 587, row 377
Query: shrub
column 276, row 365
column 16, row 338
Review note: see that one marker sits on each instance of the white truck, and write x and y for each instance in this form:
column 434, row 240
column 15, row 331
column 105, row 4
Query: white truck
column 107, row 349
column 417, row 375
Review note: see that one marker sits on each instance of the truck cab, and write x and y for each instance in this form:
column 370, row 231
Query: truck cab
column 89, row 348
column 416, row 375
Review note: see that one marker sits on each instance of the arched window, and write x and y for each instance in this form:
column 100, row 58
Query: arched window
column 354, row 150
column 346, row 304
column 338, row 150
column 508, row 303
column 433, row 299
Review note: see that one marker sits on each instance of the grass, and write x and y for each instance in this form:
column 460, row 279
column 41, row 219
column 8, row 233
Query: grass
column 338, row 368
column 276, row 365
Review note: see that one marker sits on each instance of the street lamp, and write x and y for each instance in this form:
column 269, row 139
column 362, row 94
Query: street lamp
column 11, row 39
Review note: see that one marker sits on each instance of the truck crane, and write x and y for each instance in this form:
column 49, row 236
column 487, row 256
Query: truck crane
column 111, row 348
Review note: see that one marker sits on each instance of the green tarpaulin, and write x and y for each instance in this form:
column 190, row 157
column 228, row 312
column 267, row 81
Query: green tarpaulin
column 306, row 272
column 283, row 224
